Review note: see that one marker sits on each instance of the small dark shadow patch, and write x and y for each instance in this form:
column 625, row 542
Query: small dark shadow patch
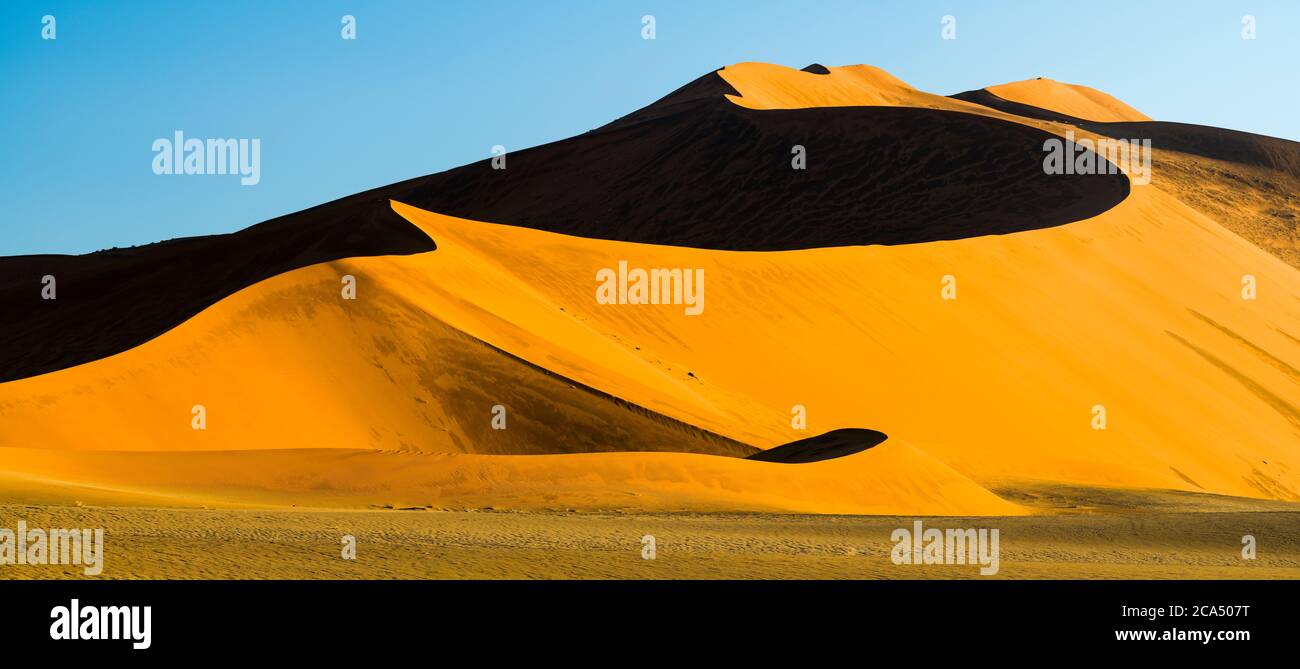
column 833, row 444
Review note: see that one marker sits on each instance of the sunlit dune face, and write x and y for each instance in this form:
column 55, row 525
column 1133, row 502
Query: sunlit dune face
column 892, row 479
column 767, row 86
column 1046, row 326
column 1070, row 99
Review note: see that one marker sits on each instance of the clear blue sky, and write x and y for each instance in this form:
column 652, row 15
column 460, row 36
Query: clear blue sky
column 431, row 84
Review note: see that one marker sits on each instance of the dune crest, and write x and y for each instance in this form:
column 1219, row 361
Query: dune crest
column 1071, row 99
column 768, row 86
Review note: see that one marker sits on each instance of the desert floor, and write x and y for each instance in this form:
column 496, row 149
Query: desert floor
column 1078, row 533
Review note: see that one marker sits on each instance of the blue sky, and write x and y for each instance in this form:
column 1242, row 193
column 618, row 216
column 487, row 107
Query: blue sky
column 429, row 85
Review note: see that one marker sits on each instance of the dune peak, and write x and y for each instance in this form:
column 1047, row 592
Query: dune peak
column 769, row 86
column 1074, row 100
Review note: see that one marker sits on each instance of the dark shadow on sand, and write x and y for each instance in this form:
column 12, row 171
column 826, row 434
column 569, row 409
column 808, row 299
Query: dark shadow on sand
column 833, row 444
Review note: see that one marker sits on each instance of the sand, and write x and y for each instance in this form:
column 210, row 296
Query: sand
column 1072, row 99
column 888, row 479
column 387, row 400
column 1175, row 536
column 113, row 300
column 1198, row 383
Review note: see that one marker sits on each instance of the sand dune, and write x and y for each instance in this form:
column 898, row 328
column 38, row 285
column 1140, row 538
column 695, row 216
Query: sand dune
column 1241, row 180
column 1016, row 363
column 876, row 171
column 936, row 175
column 1238, row 179
column 1072, row 99
column 891, row 478
column 1057, row 322
column 112, row 300
column 288, row 363
column 388, row 399
column 767, row 86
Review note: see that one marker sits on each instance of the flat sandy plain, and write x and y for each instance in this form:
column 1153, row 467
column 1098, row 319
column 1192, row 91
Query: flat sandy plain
column 1077, row 533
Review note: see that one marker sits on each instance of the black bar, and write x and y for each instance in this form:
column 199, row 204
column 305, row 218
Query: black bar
column 234, row 618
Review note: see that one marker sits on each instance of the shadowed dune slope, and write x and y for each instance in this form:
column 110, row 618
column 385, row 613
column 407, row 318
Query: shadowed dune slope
column 109, row 301
column 696, row 169
column 1209, row 142
column 1247, row 182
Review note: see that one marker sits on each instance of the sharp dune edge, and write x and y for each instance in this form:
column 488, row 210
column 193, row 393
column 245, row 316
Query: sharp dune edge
column 767, row 86
column 315, row 401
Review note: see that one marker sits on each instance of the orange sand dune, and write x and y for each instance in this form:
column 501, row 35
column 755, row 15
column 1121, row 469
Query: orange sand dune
column 893, row 478
column 288, row 363
column 1138, row 310
column 768, row 86
column 1072, row 99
